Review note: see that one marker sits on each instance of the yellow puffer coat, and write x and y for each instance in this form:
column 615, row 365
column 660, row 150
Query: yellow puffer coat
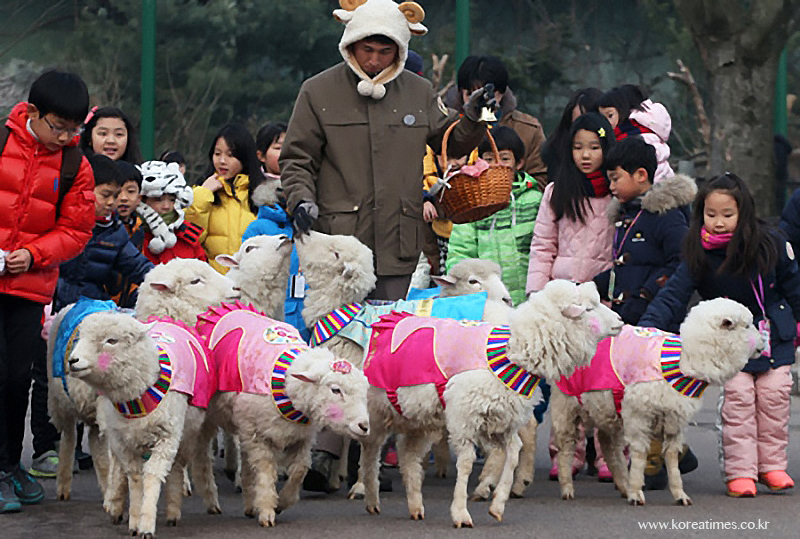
column 223, row 225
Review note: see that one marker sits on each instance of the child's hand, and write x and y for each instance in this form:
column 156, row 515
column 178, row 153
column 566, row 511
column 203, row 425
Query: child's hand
column 429, row 212
column 18, row 261
column 212, row 183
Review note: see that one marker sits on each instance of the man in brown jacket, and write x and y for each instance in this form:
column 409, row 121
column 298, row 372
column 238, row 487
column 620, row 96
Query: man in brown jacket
column 351, row 161
column 475, row 72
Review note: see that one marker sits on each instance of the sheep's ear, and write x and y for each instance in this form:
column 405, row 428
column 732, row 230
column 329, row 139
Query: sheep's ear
column 161, row 286
column 727, row 323
column 306, row 377
column 573, row 311
column 227, row 260
column 445, row 281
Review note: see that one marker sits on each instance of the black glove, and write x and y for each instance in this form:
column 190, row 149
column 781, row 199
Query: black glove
column 632, row 310
column 304, row 214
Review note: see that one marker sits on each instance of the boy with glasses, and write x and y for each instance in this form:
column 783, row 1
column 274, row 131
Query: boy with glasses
column 46, row 218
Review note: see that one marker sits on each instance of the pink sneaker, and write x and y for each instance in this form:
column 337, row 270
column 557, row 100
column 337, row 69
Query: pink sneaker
column 776, row 480
column 390, row 461
column 604, row 474
column 553, row 475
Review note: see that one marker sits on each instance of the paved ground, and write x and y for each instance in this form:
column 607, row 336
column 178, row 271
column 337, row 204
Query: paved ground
column 597, row 512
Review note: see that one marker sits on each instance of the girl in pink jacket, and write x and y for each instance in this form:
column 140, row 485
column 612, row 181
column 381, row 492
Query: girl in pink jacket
column 572, row 236
column 630, row 113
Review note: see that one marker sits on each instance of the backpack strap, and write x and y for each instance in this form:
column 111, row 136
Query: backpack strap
column 4, row 132
column 70, row 165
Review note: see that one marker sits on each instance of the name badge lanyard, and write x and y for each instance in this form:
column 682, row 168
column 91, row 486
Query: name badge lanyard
column 763, row 324
column 612, row 279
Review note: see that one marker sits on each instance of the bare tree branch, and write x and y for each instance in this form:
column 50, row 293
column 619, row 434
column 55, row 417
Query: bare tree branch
column 685, row 76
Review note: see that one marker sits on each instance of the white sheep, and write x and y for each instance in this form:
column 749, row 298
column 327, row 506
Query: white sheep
column 148, row 374
column 180, row 289
column 339, row 272
column 278, row 394
column 483, row 403
column 663, row 376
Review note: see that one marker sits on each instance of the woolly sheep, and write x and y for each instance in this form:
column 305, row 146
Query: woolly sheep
column 717, row 337
column 552, row 333
column 316, row 389
column 118, row 355
column 260, row 268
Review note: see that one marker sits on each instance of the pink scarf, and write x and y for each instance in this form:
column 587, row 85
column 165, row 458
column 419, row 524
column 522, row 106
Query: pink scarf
column 714, row 241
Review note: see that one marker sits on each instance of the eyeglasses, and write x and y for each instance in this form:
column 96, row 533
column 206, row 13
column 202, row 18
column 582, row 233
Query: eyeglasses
column 58, row 131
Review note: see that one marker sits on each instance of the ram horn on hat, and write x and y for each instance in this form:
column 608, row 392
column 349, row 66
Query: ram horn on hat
column 350, row 5
column 413, row 11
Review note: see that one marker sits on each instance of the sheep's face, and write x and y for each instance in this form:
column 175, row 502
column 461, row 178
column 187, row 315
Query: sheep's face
column 726, row 329
column 340, row 396
column 187, row 281
column 580, row 304
column 110, row 350
column 472, row 275
column 339, row 263
column 267, row 256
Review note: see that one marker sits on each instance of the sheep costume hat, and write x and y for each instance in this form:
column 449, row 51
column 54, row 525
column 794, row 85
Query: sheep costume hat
column 158, row 179
column 364, row 18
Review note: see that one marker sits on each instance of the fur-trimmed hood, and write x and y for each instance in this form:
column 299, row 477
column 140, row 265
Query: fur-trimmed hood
column 668, row 194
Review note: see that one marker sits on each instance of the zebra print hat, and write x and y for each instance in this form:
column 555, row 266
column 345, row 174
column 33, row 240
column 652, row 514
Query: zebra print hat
column 160, row 178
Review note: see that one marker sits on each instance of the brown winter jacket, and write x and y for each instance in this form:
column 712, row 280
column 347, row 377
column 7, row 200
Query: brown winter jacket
column 360, row 160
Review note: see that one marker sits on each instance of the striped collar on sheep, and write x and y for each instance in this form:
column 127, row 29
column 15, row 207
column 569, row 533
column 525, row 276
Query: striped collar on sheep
column 364, row 18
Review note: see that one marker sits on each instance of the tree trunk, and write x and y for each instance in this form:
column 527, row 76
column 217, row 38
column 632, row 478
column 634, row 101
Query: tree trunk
column 740, row 42
column 742, row 128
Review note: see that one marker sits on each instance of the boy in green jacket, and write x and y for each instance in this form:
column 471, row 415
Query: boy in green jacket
column 504, row 236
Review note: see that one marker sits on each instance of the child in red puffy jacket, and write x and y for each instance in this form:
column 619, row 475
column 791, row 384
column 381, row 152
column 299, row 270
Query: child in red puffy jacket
column 45, row 219
column 164, row 196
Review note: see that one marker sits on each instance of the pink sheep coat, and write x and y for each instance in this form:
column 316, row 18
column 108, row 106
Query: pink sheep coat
column 193, row 373
column 566, row 249
column 656, row 118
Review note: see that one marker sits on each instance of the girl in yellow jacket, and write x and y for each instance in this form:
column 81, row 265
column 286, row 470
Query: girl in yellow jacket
column 223, row 203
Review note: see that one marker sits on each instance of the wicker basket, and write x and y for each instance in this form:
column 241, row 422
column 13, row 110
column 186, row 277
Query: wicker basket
column 470, row 199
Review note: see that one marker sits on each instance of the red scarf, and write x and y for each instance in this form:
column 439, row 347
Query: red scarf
column 714, row 241
column 628, row 128
column 597, row 184
column 103, row 220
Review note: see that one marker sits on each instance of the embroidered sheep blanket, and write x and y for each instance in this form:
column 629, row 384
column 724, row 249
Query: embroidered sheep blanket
column 354, row 321
column 406, row 350
column 252, row 352
column 192, row 371
column 635, row 355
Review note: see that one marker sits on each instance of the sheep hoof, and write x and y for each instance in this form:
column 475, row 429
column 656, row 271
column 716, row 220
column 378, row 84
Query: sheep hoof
column 466, row 524
column 133, row 533
column 267, row 519
column 250, row 512
column 172, row 522
column 441, row 475
column 418, row 515
column 497, row 516
column 214, row 510
column 64, row 496
column 685, row 501
column 516, row 495
column 636, row 498
column 148, row 536
column 481, row 493
column 116, row 520
column 568, row 495
column 356, row 492
column 374, row 509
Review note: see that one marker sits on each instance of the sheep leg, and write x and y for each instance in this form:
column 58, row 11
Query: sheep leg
column 411, row 449
column 99, row 449
column 611, row 445
column 203, row 471
column 490, row 474
column 134, row 500
column 66, row 456
column 465, row 458
column 501, row 493
column 233, row 464
column 527, row 458
column 370, row 465
column 248, row 485
column 636, row 473
column 341, row 470
column 156, row 468
column 671, row 458
column 566, row 418
column 173, row 489
column 441, row 456
column 261, row 459
column 299, row 458
column 117, row 484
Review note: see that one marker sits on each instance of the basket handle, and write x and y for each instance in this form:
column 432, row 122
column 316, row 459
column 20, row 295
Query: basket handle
column 488, row 132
